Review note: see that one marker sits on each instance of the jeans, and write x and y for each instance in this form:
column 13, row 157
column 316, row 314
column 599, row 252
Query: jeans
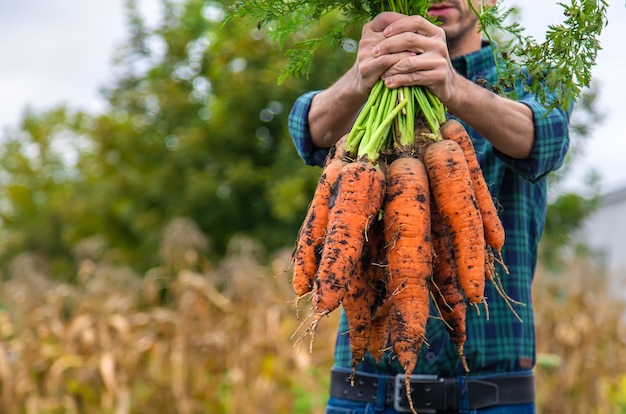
column 341, row 406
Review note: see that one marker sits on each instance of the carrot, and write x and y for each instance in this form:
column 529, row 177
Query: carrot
column 310, row 239
column 372, row 296
column 453, row 195
column 373, row 262
column 360, row 191
column 364, row 293
column 337, row 151
column 379, row 332
column 406, row 214
column 445, row 285
column 357, row 304
column 492, row 226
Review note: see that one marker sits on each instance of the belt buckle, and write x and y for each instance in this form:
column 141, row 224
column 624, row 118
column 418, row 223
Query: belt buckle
column 400, row 399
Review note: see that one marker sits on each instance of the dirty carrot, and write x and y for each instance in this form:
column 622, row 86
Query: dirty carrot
column 372, row 297
column 406, row 215
column 373, row 262
column 454, row 196
column 337, row 151
column 310, row 239
column 379, row 332
column 360, row 191
column 445, row 285
column 364, row 293
column 492, row 226
column 357, row 305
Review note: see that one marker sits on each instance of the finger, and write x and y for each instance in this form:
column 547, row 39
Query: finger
column 411, row 42
column 405, row 79
column 414, row 70
column 410, row 65
column 423, row 55
column 372, row 69
column 412, row 24
column 407, row 41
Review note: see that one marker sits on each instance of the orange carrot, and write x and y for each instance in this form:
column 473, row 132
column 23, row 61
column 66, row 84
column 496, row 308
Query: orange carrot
column 364, row 293
column 310, row 239
column 357, row 304
column 360, row 191
column 406, row 214
column 492, row 226
column 379, row 332
column 365, row 299
column 337, row 151
column 445, row 285
column 453, row 195
column 373, row 262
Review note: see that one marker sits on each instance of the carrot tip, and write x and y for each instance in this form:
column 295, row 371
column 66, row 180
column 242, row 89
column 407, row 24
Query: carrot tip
column 463, row 360
column 407, row 384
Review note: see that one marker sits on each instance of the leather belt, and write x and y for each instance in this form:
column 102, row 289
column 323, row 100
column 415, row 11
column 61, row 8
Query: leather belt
column 431, row 394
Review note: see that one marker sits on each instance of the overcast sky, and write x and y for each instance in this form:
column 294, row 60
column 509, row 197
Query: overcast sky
column 54, row 52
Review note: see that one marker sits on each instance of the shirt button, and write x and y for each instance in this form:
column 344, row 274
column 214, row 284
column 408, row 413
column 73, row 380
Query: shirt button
column 430, row 355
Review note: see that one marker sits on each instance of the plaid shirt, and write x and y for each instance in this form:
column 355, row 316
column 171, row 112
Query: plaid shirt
column 502, row 343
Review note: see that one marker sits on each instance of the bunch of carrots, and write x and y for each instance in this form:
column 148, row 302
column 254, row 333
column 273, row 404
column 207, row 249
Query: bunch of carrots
column 401, row 214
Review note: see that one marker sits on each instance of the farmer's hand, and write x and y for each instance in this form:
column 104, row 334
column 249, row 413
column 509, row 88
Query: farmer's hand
column 407, row 50
column 377, row 52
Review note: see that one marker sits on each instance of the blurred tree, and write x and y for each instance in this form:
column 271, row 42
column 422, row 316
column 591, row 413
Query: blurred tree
column 568, row 209
column 197, row 127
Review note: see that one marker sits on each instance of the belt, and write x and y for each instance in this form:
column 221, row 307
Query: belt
column 431, row 394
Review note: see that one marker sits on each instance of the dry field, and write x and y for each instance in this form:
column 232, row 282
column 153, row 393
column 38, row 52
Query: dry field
column 197, row 337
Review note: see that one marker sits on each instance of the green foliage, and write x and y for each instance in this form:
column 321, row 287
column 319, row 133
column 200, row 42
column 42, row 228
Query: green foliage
column 562, row 63
column 564, row 217
column 36, row 184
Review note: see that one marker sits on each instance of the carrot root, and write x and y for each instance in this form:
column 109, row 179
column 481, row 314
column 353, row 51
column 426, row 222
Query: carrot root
column 454, row 198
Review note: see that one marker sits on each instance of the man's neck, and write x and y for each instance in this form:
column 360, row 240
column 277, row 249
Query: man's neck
column 465, row 46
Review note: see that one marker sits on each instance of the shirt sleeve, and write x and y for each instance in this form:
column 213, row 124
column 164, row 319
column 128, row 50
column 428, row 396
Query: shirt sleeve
column 300, row 134
column 550, row 145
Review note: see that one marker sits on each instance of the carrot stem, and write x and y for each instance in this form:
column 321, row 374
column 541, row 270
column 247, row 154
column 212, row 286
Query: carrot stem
column 354, row 138
column 376, row 141
column 427, row 110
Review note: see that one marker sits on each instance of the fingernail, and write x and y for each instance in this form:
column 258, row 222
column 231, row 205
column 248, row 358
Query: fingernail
column 387, row 31
column 376, row 51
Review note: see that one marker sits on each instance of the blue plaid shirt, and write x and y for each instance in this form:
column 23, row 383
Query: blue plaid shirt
column 502, row 343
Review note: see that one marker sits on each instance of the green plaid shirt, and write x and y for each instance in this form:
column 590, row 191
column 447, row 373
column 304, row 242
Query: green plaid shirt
column 502, row 343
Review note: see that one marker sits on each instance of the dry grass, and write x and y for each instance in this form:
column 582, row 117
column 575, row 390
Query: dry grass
column 187, row 337
column 581, row 341
column 199, row 337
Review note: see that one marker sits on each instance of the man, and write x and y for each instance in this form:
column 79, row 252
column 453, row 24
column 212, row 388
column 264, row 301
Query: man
column 517, row 142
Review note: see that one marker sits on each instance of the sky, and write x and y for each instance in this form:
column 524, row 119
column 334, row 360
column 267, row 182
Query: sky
column 61, row 52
